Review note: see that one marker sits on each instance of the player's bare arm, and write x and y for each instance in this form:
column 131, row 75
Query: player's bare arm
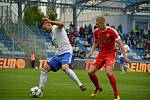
column 93, row 48
column 60, row 24
column 122, row 50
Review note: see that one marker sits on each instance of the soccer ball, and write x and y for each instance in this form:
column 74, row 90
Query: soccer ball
column 35, row 91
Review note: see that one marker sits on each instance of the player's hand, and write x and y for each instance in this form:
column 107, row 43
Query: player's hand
column 89, row 55
column 47, row 19
column 126, row 60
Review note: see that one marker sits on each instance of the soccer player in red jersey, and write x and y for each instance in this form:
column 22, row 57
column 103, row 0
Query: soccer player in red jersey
column 105, row 37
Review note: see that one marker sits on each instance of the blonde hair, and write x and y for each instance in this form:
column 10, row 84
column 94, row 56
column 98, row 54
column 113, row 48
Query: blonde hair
column 100, row 19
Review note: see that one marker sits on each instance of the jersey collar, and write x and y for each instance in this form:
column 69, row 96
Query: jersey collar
column 105, row 29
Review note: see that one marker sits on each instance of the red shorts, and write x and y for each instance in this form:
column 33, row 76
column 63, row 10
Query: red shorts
column 105, row 59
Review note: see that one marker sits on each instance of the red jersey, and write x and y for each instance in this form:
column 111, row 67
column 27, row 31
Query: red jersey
column 106, row 39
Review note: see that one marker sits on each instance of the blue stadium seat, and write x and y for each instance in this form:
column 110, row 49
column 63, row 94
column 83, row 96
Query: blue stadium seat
column 8, row 43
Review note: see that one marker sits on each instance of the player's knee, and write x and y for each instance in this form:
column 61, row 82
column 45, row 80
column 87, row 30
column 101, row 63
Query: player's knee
column 109, row 70
column 90, row 72
column 109, row 73
column 46, row 67
column 64, row 67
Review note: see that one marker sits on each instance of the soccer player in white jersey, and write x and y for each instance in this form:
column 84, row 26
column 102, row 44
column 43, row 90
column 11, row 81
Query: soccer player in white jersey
column 121, row 59
column 64, row 53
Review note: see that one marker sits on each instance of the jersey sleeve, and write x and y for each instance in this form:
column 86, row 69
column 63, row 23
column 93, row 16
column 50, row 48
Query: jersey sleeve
column 115, row 34
column 54, row 28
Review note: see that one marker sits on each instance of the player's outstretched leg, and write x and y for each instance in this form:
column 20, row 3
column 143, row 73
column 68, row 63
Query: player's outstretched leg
column 43, row 77
column 94, row 79
column 74, row 77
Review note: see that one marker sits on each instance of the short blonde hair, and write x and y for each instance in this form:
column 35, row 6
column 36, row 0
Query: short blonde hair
column 100, row 20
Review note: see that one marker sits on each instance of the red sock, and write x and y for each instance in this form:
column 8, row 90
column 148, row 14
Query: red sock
column 113, row 84
column 94, row 79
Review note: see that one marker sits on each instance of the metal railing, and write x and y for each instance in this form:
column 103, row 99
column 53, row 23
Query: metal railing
column 20, row 34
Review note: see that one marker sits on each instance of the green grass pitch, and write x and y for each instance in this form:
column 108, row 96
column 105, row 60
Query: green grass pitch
column 15, row 84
